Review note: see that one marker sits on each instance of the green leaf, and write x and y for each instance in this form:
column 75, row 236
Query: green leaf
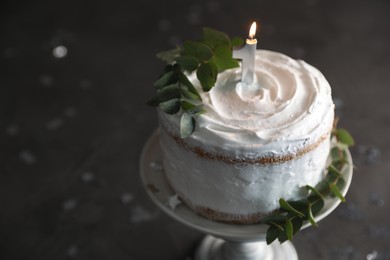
column 336, row 192
column 331, row 177
column 206, row 75
column 272, row 234
column 334, row 170
column 323, row 187
column 299, row 205
column 317, row 205
column 168, row 56
column 198, row 50
column 187, row 94
column 214, row 38
column 237, row 41
column 288, row 228
column 190, row 108
column 310, row 216
column 171, row 67
column 314, row 191
column 340, row 183
column 170, row 107
column 166, row 79
column 168, row 93
column 344, row 137
column 187, row 125
column 335, row 153
column 282, row 236
column 277, row 225
column 188, row 62
column 223, row 59
column 285, row 205
column 297, row 224
column 185, row 81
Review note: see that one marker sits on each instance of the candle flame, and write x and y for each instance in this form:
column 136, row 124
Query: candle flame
column 252, row 30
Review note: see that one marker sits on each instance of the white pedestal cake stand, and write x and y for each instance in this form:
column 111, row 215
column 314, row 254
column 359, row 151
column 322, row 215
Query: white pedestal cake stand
column 224, row 241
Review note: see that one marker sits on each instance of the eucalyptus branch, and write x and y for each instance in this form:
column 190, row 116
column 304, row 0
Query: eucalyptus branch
column 206, row 58
column 294, row 213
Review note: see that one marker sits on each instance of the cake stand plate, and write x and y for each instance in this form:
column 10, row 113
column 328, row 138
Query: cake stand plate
column 224, row 241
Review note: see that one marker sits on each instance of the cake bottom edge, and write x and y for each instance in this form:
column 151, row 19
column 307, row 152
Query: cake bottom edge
column 223, row 217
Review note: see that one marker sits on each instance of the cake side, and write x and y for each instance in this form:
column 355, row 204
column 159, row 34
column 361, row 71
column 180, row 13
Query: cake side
column 241, row 193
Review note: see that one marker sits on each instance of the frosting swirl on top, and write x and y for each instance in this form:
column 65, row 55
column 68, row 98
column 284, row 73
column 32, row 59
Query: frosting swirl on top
column 288, row 107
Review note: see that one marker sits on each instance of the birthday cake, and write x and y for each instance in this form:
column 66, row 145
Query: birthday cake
column 254, row 144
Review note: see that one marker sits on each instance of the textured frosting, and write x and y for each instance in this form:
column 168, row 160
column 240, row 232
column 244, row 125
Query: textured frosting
column 288, row 108
column 239, row 192
column 287, row 113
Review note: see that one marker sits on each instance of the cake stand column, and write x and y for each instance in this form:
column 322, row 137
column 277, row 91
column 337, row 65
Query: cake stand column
column 212, row 248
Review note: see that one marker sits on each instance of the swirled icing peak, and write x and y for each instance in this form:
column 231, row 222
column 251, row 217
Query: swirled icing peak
column 290, row 100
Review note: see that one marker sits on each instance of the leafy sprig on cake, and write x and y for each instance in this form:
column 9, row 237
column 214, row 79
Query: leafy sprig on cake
column 288, row 220
column 206, row 57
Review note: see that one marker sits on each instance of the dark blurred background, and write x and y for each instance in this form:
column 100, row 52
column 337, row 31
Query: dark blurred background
column 75, row 76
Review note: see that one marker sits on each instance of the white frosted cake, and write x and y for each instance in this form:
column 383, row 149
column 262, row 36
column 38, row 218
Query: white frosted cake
column 254, row 144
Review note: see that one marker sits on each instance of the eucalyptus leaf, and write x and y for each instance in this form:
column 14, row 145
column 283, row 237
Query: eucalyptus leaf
column 317, row 205
column 310, row 216
column 170, row 107
column 206, row 75
column 185, row 81
column 166, row 79
column 331, row 177
column 188, row 62
column 277, row 225
column 272, row 234
column 285, row 205
column 335, row 153
column 297, row 224
column 335, row 191
column 237, row 41
column 168, row 56
column 190, row 108
column 334, row 170
column 214, row 38
column 214, row 68
column 223, row 59
column 282, row 237
column 299, row 205
column 340, row 183
column 344, row 137
column 323, row 187
column 288, row 228
column 168, row 93
column 187, row 125
column 198, row 50
column 314, row 191
column 187, row 94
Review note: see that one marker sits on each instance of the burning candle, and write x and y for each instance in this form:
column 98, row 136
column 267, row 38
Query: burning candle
column 247, row 54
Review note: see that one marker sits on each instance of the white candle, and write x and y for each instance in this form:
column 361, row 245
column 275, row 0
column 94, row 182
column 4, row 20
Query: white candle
column 247, row 54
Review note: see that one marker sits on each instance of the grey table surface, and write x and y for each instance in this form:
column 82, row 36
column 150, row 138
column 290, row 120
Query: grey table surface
column 75, row 76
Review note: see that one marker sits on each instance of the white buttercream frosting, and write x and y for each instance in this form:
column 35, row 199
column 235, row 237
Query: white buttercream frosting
column 289, row 106
column 288, row 109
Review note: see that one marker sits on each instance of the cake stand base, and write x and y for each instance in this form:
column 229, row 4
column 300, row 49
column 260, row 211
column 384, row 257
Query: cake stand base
column 212, row 248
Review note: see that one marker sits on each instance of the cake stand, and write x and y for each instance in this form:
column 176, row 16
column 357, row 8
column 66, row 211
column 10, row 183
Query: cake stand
column 223, row 241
